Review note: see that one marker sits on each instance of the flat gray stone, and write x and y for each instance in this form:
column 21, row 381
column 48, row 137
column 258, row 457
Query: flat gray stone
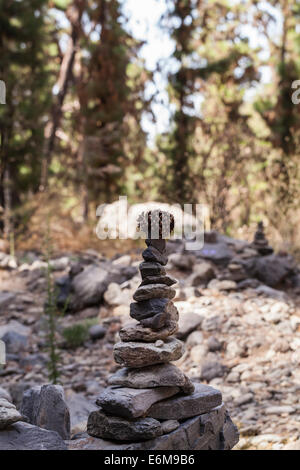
column 201, row 401
column 29, row 403
column 148, row 308
column 135, row 354
column 8, row 414
column 278, row 410
column 120, row 429
column 24, row 436
column 152, row 255
column 131, row 402
column 212, row 369
column 16, row 327
column 167, row 280
column 136, row 332
column 97, row 332
column 14, row 342
column 46, row 407
column 154, row 291
column 5, row 394
column 225, row 285
column 158, row 243
column 154, row 313
column 169, row 426
column 161, row 375
column 202, row 274
column 183, row 262
column 230, row 433
column 151, row 269
column 188, row 322
column 209, row 431
column 161, row 320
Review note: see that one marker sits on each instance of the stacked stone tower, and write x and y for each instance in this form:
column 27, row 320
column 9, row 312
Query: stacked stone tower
column 260, row 243
column 149, row 398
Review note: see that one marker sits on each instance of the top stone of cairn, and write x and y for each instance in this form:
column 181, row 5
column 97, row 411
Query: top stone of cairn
column 157, row 225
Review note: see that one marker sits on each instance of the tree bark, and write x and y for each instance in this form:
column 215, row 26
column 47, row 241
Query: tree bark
column 74, row 14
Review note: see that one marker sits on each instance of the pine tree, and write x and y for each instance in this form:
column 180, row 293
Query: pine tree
column 212, row 139
column 282, row 117
column 25, row 69
column 111, row 94
column 178, row 146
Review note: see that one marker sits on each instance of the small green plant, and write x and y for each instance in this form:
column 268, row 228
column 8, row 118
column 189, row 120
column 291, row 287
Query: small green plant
column 51, row 313
column 77, row 334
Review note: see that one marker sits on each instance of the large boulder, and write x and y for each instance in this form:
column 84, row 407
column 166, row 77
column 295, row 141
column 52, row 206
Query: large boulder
column 85, row 286
column 202, row 274
column 88, row 287
column 272, row 270
column 115, row 296
column 212, row 369
column 45, row 407
column 182, row 261
column 14, row 342
column 16, row 327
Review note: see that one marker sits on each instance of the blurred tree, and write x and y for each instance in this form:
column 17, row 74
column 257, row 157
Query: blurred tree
column 110, row 85
column 73, row 12
column 178, row 145
column 281, row 115
column 25, row 66
column 211, row 140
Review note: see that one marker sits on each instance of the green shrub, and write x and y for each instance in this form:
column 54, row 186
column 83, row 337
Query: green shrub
column 76, row 335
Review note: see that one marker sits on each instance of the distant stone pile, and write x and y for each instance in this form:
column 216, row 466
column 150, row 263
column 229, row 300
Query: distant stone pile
column 150, row 397
column 260, row 243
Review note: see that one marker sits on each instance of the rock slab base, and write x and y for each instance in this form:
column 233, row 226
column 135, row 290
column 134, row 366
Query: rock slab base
column 209, row 431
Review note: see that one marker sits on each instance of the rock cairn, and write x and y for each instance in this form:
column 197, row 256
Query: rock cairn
column 149, row 397
column 260, row 243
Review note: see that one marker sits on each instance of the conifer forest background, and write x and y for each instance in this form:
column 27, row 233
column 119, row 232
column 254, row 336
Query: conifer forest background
column 198, row 110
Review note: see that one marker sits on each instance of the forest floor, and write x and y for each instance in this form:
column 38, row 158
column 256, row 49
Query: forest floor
column 243, row 341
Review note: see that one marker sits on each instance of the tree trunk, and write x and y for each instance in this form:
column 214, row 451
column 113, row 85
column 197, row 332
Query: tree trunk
column 74, row 14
